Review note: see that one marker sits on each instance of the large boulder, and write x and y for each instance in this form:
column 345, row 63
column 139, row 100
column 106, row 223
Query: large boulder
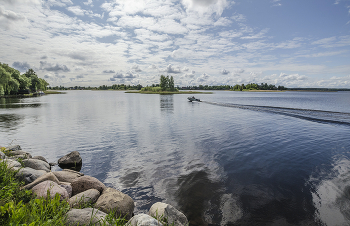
column 67, row 175
column 112, row 199
column 143, row 220
column 85, row 183
column 12, row 163
column 28, row 175
column 40, row 158
column 68, row 187
column 42, row 189
column 88, row 196
column 163, row 211
column 46, row 177
column 71, row 160
column 36, row 164
column 87, row 216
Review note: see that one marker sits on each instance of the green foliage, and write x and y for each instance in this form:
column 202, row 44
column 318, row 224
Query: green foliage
column 10, row 186
column 151, row 89
column 254, row 86
column 167, row 84
column 12, row 81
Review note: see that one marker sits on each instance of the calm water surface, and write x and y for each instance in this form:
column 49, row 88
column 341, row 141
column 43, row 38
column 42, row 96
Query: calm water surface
column 236, row 158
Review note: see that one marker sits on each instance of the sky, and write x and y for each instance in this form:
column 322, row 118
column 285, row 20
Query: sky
column 294, row 43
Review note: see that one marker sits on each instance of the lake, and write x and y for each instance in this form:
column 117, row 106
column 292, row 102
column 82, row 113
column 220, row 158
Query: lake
column 237, row 158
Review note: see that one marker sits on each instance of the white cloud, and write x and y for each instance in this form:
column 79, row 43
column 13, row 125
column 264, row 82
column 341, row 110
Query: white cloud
column 171, row 70
column 206, row 6
column 76, row 10
column 224, row 72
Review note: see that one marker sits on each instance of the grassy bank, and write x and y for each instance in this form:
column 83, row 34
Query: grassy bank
column 21, row 207
column 53, row 92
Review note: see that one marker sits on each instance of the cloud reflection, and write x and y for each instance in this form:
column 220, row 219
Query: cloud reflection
column 332, row 195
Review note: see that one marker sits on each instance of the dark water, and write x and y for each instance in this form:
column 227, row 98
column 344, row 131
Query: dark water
column 236, row 158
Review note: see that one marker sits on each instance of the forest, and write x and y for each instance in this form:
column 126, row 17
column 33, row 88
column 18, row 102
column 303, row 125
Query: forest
column 12, row 82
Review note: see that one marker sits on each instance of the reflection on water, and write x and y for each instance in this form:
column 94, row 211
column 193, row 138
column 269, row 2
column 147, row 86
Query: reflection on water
column 167, row 103
column 219, row 165
column 19, row 103
column 331, row 195
column 10, row 121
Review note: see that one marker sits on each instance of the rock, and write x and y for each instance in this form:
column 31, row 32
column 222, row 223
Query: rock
column 21, row 153
column 13, row 148
column 36, row 164
column 28, row 175
column 88, row 196
column 72, row 159
column 52, row 163
column 112, row 199
column 2, row 155
column 41, row 190
column 162, row 211
column 46, row 177
column 17, row 157
column 85, row 183
column 87, row 216
column 67, row 176
column 68, row 187
column 12, row 163
column 73, row 171
column 143, row 220
column 40, row 158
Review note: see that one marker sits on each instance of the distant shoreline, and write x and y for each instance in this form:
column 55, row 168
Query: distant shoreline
column 167, row 93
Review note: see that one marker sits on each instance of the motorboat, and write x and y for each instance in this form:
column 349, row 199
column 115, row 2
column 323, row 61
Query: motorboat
column 192, row 98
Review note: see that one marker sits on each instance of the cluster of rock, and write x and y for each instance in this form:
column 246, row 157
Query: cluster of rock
column 79, row 190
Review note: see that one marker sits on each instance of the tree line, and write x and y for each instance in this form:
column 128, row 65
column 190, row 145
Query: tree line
column 12, row 82
column 255, row 86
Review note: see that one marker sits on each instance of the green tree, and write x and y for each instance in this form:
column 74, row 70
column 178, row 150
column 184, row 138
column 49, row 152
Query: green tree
column 171, row 83
column 164, row 82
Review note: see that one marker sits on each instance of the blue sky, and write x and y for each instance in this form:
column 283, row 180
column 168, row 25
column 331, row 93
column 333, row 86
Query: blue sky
column 210, row 42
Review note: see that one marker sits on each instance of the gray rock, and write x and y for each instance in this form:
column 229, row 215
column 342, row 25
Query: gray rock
column 67, row 176
column 46, row 177
column 28, row 175
column 163, row 211
column 13, row 148
column 112, row 199
column 73, row 171
column 41, row 190
column 67, row 186
column 85, row 183
column 88, row 196
column 21, row 153
column 40, row 158
column 12, row 163
column 143, row 220
column 17, row 157
column 2, row 155
column 87, row 216
column 36, row 164
column 71, row 159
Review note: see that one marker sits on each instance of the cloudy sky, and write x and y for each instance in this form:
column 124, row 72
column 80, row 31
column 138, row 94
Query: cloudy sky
column 295, row 43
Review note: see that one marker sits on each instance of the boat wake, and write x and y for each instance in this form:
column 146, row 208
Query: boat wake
column 320, row 116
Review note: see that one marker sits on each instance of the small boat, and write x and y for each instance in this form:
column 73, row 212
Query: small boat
column 192, row 98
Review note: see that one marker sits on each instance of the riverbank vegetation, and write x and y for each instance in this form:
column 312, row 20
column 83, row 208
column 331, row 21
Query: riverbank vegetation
column 21, row 207
column 257, row 87
column 12, row 82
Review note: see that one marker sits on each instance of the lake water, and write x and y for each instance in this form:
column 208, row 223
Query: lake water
column 237, row 158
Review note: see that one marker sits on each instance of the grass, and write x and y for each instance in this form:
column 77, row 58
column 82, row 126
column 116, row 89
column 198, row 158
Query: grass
column 21, row 207
column 53, row 92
